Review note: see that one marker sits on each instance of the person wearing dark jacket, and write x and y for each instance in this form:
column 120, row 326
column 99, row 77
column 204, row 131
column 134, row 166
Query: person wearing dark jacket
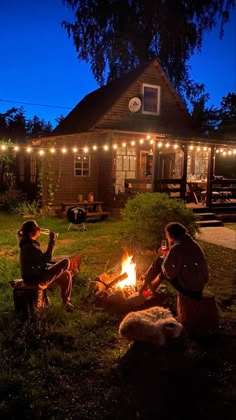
column 183, row 264
column 36, row 266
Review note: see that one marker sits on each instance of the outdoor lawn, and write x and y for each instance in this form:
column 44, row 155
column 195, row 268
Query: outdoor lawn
column 74, row 365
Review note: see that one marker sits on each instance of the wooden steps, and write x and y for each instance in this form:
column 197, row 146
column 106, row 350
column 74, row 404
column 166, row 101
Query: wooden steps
column 207, row 218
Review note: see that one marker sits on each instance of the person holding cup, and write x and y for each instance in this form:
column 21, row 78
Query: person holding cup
column 36, row 266
column 182, row 263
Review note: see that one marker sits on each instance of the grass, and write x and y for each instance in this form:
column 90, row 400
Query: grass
column 74, row 366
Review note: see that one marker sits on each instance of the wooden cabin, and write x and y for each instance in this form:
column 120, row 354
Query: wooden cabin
column 132, row 135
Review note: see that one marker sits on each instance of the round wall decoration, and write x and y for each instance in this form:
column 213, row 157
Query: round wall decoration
column 134, row 104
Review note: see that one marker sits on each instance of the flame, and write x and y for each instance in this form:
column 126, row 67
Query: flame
column 129, row 268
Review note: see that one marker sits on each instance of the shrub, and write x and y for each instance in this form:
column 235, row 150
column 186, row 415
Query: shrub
column 27, row 208
column 11, row 199
column 146, row 215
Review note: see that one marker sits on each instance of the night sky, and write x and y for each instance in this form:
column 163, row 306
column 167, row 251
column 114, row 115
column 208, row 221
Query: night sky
column 39, row 63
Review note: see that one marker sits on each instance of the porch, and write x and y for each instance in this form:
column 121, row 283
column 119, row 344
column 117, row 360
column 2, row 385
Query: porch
column 212, row 194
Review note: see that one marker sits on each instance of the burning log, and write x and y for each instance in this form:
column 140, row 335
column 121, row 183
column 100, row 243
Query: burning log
column 116, row 280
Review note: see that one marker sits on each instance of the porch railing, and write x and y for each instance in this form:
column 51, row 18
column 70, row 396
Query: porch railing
column 175, row 188
column 222, row 192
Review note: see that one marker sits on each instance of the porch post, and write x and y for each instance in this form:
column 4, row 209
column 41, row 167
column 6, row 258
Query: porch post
column 210, row 174
column 184, row 176
column 155, row 170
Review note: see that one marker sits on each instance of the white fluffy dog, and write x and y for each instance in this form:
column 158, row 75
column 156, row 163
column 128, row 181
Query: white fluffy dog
column 155, row 325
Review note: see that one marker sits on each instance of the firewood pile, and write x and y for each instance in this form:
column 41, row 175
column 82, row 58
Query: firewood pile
column 108, row 293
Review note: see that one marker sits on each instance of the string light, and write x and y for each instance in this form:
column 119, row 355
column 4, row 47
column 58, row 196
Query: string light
column 225, row 150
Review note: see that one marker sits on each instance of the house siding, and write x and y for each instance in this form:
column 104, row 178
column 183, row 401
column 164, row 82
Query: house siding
column 173, row 116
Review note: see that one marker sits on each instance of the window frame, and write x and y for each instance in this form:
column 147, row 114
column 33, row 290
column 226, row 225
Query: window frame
column 158, row 90
column 82, row 169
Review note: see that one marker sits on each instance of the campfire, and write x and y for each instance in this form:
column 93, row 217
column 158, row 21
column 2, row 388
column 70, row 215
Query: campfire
column 119, row 291
column 129, row 271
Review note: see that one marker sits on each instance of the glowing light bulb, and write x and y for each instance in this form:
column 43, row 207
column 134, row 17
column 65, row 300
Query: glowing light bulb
column 94, row 147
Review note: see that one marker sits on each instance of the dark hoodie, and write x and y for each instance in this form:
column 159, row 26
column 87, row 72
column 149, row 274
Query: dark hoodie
column 33, row 261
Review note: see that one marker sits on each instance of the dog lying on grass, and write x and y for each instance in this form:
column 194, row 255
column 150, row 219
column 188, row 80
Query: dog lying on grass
column 155, row 325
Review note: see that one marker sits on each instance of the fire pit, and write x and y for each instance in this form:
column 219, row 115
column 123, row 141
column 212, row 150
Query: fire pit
column 118, row 292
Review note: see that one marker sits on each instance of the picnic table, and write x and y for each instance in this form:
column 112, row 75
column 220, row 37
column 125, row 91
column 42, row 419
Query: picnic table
column 93, row 208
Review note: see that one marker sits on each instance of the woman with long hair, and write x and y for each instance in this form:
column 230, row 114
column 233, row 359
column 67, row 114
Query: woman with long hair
column 36, row 266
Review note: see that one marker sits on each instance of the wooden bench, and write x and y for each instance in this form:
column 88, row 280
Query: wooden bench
column 198, row 316
column 102, row 214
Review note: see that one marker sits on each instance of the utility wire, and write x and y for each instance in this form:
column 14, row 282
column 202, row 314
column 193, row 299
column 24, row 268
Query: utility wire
column 29, row 103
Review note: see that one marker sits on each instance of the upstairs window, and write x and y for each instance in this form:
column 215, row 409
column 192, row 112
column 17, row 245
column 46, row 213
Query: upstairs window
column 151, row 99
column 82, row 165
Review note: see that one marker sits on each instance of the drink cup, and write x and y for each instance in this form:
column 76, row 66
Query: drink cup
column 45, row 231
column 164, row 244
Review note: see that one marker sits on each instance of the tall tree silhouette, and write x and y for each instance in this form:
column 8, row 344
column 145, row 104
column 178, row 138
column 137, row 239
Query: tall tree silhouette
column 115, row 36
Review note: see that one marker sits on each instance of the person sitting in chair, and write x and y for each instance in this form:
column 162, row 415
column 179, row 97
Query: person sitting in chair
column 183, row 264
column 36, row 266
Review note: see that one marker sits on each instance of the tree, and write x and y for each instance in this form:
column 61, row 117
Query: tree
column 15, row 126
column 115, row 36
column 7, row 156
column 227, row 116
column 38, row 128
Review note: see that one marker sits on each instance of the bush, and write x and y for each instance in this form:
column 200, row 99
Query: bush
column 11, row 199
column 27, row 208
column 146, row 215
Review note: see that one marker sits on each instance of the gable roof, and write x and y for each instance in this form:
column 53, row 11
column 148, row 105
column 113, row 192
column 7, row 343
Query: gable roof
column 93, row 106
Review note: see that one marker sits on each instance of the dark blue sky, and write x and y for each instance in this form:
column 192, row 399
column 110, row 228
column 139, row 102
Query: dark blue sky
column 39, row 63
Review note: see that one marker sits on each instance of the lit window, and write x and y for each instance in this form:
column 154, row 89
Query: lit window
column 151, row 99
column 82, row 165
